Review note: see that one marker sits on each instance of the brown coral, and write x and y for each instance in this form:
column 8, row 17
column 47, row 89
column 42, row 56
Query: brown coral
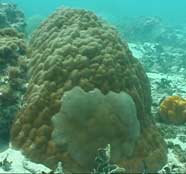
column 12, row 77
column 76, row 48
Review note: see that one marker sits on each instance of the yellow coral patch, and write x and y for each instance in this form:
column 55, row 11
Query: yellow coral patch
column 172, row 110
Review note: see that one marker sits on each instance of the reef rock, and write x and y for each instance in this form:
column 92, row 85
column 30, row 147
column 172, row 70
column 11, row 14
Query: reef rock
column 75, row 48
column 152, row 29
column 141, row 29
column 12, row 77
column 11, row 16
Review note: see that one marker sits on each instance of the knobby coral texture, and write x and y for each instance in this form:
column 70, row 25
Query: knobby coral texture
column 73, row 48
column 12, row 79
column 173, row 110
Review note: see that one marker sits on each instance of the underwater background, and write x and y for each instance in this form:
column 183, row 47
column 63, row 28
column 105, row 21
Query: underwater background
column 93, row 86
column 170, row 11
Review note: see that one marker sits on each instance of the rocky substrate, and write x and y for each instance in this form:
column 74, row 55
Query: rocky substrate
column 154, row 29
column 166, row 70
column 160, row 58
column 174, row 135
column 11, row 16
column 12, row 161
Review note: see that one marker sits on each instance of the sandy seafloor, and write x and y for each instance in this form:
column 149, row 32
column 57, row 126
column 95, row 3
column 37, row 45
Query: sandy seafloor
column 175, row 136
column 20, row 164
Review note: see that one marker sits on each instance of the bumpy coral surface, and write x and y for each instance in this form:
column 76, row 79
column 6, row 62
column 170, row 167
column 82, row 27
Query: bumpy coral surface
column 173, row 110
column 76, row 48
column 12, row 77
column 12, row 45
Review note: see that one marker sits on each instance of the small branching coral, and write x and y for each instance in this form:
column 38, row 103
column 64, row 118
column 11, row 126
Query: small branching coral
column 6, row 164
column 59, row 169
column 103, row 162
column 173, row 110
column 165, row 85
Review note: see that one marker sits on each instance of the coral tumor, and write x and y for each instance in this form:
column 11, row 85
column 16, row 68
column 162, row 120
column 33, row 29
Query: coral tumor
column 99, row 119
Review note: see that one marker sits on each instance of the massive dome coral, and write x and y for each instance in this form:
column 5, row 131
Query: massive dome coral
column 76, row 48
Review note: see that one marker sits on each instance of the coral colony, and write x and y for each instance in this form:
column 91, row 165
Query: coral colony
column 74, row 97
column 76, row 48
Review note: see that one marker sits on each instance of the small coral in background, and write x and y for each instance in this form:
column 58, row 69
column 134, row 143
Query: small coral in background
column 173, row 110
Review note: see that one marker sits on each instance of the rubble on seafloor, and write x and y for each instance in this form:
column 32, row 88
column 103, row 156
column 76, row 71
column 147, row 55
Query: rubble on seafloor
column 169, row 83
column 152, row 29
column 19, row 164
column 160, row 59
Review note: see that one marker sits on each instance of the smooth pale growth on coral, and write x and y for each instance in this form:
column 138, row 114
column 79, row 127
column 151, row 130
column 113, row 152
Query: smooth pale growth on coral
column 90, row 120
